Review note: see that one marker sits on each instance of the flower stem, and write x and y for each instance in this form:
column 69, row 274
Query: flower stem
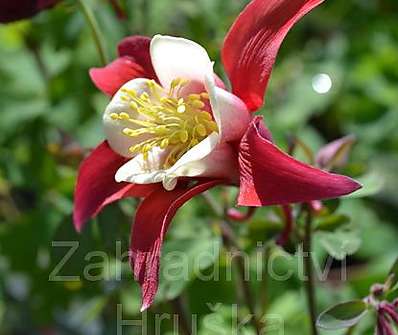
column 34, row 48
column 289, row 225
column 308, row 269
column 264, row 280
column 230, row 243
column 244, row 285
column 145, row 10
column 350, row 330
column 95, row 31
column 180, row 310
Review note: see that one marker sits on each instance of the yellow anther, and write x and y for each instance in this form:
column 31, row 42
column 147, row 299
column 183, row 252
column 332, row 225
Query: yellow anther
column 128, row 132
column 134, row 149
column 212, row 126
column 194, row 142
column 183, row 136
column 197, row 104
column 164, row 144
column 146, row 148
column 161, row 130
column 194, row 97
column 142, row 123
column 175, row 83
column 205, row 116
column 145, row 96
column 169, row 121
column 201, row 130
column 129, row 92
column 174, row 138
column 181, row 109
column 133, row 105
column 166, row 100
column 183, row 82
column 124, row 116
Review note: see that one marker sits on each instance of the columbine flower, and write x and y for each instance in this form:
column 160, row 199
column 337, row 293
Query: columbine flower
column 174, row 131
column 17, row 10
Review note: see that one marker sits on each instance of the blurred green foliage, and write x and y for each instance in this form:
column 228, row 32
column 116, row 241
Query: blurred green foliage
column 50, row 113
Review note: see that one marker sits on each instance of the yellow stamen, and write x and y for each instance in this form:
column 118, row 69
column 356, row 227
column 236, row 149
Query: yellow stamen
column 173, row 122
column 181, row 109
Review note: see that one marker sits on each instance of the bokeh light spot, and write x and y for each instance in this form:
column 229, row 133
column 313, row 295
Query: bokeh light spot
column 322, row 83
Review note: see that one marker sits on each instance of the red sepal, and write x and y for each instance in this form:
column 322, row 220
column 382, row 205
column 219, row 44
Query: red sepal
column 269, row 176
column 152, row 220
column 252, row 44
column 134, row 62
column 137, row 47
column 96, row 186
column 110, row 78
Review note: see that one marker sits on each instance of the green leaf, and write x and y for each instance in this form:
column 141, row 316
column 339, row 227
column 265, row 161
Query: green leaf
column 332, row 222
column 182, row 261
column 393, row 275
column 340, row 244
column 392, row 295
column 342, row 315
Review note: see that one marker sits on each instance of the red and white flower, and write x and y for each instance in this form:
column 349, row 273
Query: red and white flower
column 174, row 131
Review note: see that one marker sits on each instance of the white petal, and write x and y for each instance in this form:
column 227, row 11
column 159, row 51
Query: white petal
column 230, row 113
column 207, row 159
column 174, row 57
column 140, row 171
column 220, row 162
column 189, row 165
column 119, row 142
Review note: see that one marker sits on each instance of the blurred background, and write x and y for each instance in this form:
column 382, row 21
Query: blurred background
column 336, row 74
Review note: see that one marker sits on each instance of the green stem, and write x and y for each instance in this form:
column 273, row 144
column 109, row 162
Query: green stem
column 145, row 15
column 308, row 269
column 230, row 243
column 41, row 66
column 351, row 330
column 94, row 27
column 179, row 309
column 264, row 280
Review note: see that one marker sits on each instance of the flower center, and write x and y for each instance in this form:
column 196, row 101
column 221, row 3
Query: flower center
column 172, row 122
